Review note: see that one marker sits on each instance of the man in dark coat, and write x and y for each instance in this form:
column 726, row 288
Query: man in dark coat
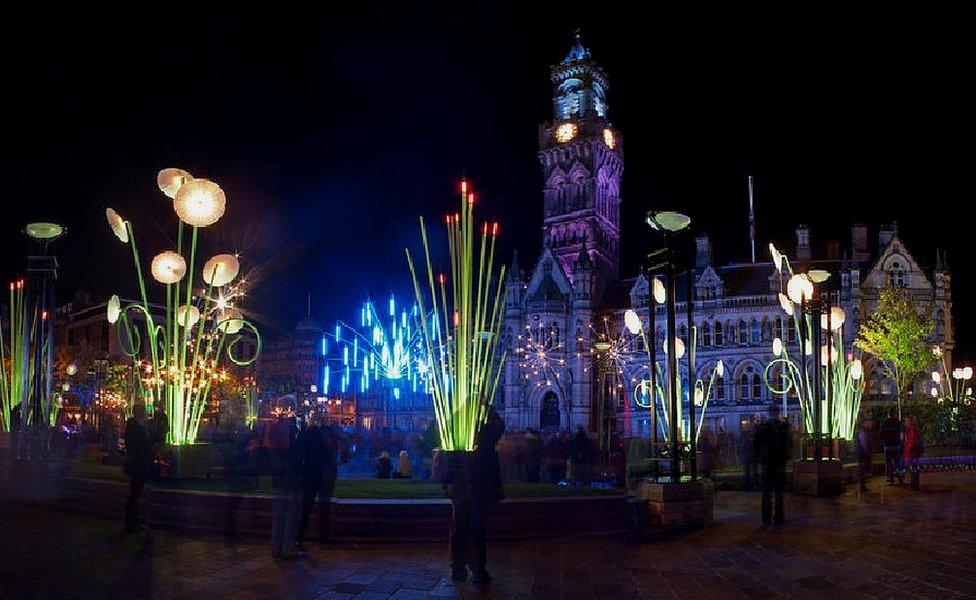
column 891, row 434
column 471, row 503
column 771, row 447
column 319, row 448
column 138, row 458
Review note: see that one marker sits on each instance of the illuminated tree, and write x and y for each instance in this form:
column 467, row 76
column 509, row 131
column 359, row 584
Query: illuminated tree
column 898, row 335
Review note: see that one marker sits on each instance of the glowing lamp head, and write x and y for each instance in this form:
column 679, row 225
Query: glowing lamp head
column 667, row 220
column 967, row 373
column 221, row 269
column 170, row 180
column 824, row 360
column 720, row 368
column 935, row 392
column 200, row 203
column 818, row 275
column 799, row 288
column 117, row 224
column 837, row 318
column 114, row 309
column 936, row 377
column 657, row 288
column 679, row 347
column 168, row 267
column 957, row 373
column 71, row 369
column 857, row 369
column 633, row 322
column 230, row 321
column 777, row 347
column 187, row 316
column 787, row 304
column 777, row 257
column 44, row 231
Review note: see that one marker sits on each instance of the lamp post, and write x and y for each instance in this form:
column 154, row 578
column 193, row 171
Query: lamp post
column 670, row 223
column 42, row 274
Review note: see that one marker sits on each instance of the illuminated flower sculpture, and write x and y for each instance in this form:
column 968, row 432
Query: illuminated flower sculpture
column 953, row 393
column 639, row 374
column 842, row 375
column 17, row 368
column 468, row 309
column 200, row 329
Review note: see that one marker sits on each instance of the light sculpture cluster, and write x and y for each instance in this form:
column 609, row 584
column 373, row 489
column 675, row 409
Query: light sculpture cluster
column 462, row 340
column 953, row 392
column 17, row 368
column 785, row 373
column 200, row 327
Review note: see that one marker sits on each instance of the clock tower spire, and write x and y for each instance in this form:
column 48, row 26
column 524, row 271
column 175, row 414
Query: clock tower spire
column 582, row 163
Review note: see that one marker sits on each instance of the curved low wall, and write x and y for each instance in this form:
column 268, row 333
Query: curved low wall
column 373, row 520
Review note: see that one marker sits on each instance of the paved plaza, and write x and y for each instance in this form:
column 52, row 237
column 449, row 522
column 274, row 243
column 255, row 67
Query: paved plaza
column 887, row 543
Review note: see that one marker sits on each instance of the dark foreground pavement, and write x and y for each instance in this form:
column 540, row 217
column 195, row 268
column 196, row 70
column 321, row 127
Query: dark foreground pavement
column 888, row 543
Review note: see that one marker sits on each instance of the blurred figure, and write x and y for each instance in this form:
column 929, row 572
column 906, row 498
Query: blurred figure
column 138, row 458
column 891, row 434
column 319, row 449
column 772, row 450
column 707, row 446
column 384, row 466
column 864, row 448
column 286, row 483
column 471, row 503
column 404, row 468
column 747, row 454
column 914, row 448
column 533, row 456
column 579, row 450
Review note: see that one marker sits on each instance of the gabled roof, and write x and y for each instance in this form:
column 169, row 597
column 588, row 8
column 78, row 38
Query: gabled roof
column 896, row 252
column 549, row 283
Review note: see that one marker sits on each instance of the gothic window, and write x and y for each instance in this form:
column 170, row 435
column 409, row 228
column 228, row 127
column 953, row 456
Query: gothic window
column 756, row 334
column 730, row 333
column 706, row 335
column 896, row 274
column 790, row 331
column 767, row 330
column 756, row 386
column 742, row 332
column 750, row 384
column 939, row 325
column 718, row 333
column 719, row 392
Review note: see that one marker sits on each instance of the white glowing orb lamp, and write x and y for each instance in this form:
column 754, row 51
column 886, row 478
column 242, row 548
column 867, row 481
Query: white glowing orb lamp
column 679, row 347
column 936, row 377
column 632, row 321
column 777, row 257
column 857, row 369
column 71, row 369
column 967, row 373
column 660, row 295
column 200, row 203
column 221, row 269
column 117, row 223
column 230, row 321
column 823, row 356
column 171, row 180
column 837, row 318
column 786, row 303
column 935, row 392
column 777, row 347
column 187, row 316
column 168, row 267
column 799, row 288
column 114, row 309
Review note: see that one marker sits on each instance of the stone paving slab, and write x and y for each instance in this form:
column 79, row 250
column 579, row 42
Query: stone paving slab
column 887, row 543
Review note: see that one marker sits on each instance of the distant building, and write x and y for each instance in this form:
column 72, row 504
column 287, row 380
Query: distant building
column 549, row 380
column 292, row 363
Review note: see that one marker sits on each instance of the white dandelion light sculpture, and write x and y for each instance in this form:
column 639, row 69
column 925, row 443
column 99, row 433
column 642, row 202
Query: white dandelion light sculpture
column 202, row 325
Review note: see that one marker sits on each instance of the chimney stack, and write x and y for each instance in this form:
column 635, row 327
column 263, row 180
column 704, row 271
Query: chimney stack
column 859, row 241
column 884, row 236
column 802, row 244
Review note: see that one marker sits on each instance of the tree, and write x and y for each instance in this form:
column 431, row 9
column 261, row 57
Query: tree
column 898, row 335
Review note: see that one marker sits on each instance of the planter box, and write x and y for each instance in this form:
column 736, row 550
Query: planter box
column 190, row 461
column 817, row 478
column 666, row 507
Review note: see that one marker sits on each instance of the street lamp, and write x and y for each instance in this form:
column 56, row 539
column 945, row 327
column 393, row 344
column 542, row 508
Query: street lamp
column 670, row 223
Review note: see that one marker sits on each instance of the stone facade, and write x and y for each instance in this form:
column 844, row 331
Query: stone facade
column 574, row 289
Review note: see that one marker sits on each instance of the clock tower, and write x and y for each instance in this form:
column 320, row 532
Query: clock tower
column 582, row 163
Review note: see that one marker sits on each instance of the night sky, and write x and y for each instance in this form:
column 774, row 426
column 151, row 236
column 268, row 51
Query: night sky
column 332, row 131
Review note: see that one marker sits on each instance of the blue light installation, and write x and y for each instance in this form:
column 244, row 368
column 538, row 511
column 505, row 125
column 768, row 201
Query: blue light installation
column 386, row 352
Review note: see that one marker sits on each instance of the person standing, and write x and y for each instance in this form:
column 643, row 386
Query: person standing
column 891, row 437
column 404, row 467
column 578, row 455
column 864, row 448
column 318, row 476
column 138, row 458
column 771, row 446
column 533, row 456
column 913, row 450
column 472, row 503
column 286, row 486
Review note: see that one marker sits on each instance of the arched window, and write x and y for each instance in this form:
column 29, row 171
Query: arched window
column 745, row 386
column 743, row 333
column 719, row 392
column 756, row 386
column 706, row 335
column 718, row 333
column 756, row 334
column 750, row 384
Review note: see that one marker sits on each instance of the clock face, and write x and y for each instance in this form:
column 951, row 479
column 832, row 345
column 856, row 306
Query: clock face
column 565, row 132
column 608, row 139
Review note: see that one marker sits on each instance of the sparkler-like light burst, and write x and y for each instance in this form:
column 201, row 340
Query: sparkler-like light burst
column 541, row 356
column 386, row 351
